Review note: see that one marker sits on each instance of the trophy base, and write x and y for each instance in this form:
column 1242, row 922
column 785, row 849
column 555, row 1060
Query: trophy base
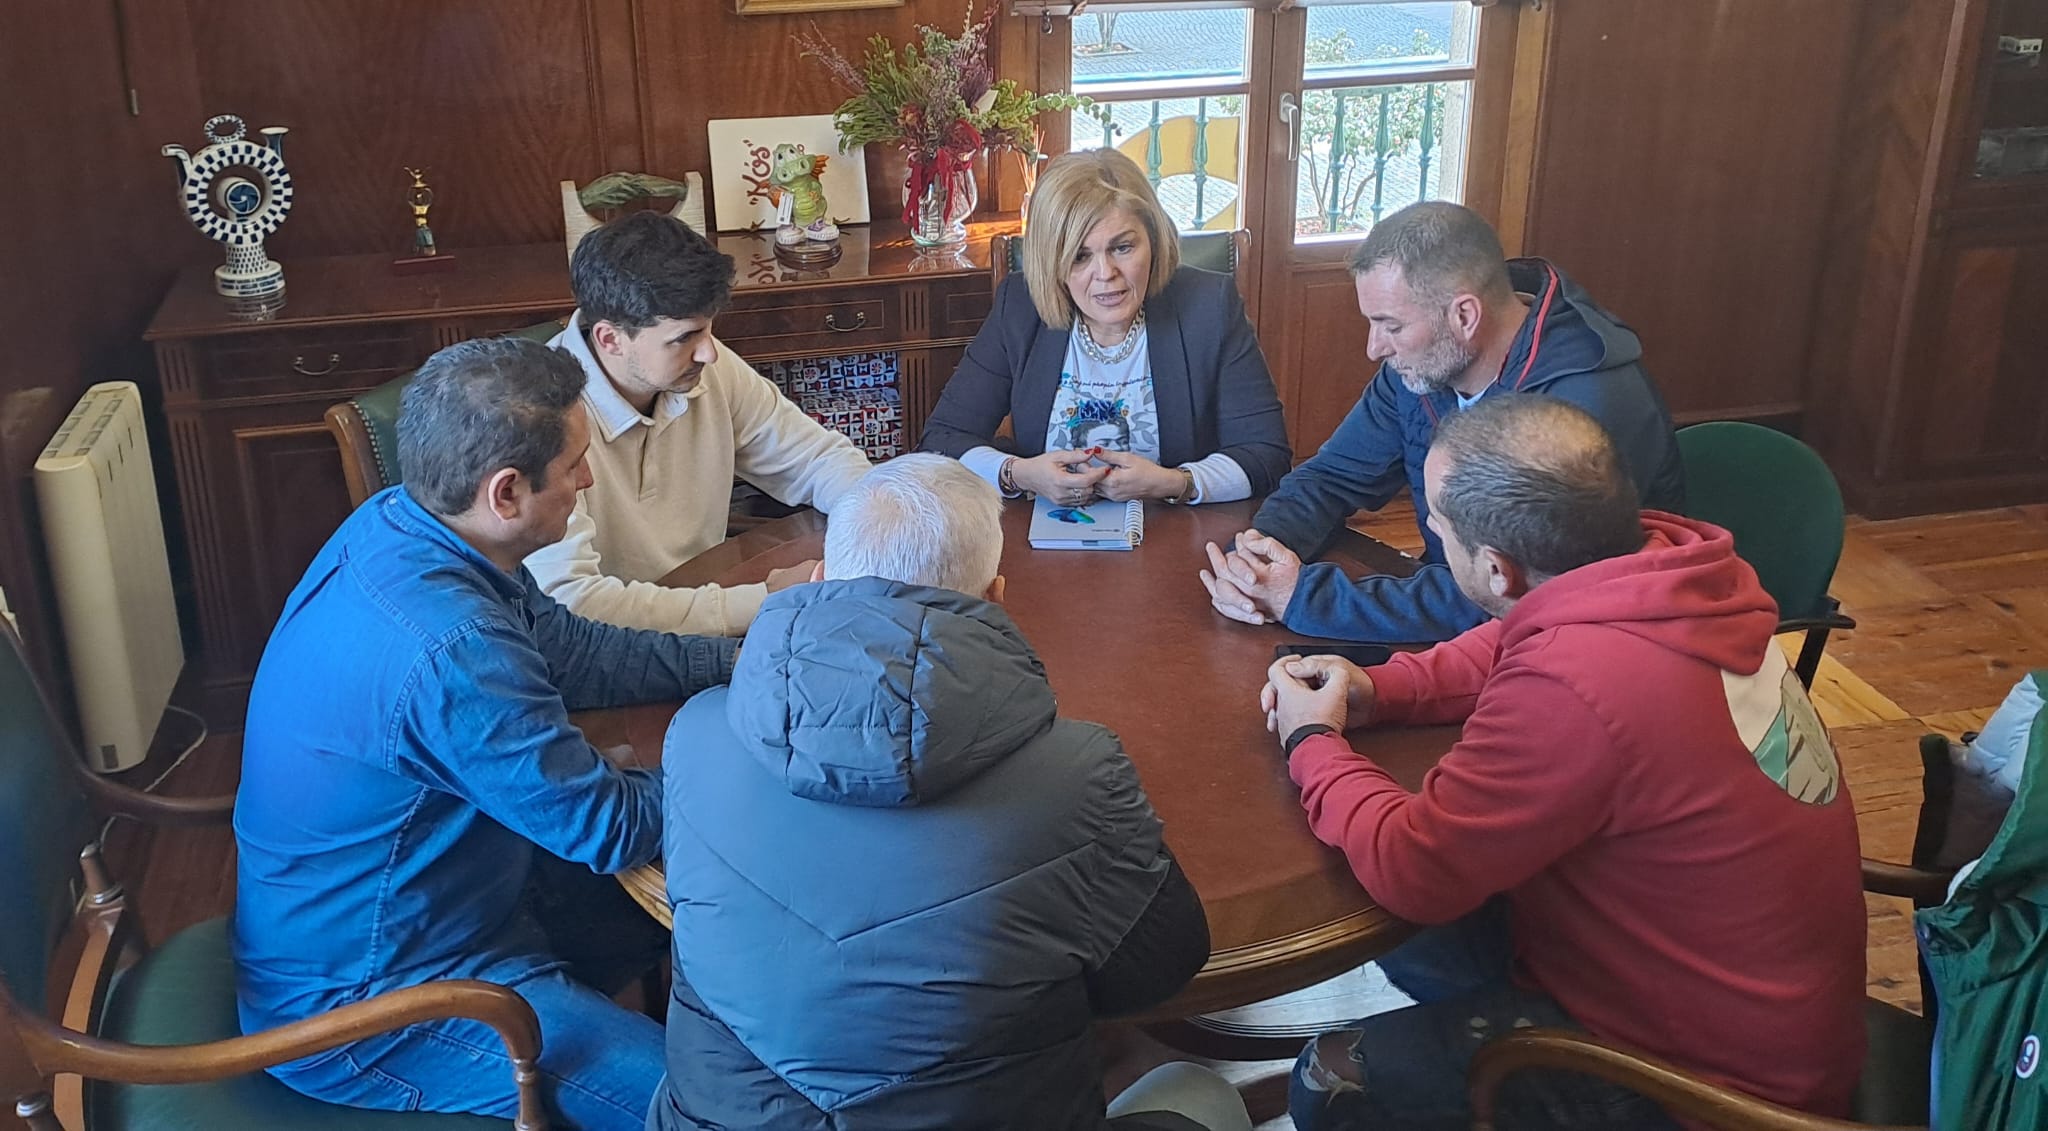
column 254, row 280
column 808, row 253
column 251, row 295
column 260, row 308
column 418, row 264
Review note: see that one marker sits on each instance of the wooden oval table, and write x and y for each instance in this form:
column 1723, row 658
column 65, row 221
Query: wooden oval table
column 1129, row 640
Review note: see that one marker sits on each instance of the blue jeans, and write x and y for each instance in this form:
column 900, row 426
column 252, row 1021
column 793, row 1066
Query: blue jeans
column 600, row 1062
column 1405, row 1070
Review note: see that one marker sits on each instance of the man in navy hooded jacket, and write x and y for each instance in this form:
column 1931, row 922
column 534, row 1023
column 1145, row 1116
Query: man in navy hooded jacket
column 1453, row 321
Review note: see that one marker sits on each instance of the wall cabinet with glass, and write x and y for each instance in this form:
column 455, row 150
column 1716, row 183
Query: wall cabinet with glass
column 2012, row 108
column 1929, row 360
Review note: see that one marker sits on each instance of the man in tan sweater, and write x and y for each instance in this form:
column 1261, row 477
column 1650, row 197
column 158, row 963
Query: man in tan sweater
column 674, row 415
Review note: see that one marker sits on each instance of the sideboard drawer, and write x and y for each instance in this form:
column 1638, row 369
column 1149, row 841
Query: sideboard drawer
column 958, row 311
column 823, row 322
column 287, row 362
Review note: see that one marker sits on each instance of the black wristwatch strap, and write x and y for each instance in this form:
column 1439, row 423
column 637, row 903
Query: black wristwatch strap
column 1303, row 734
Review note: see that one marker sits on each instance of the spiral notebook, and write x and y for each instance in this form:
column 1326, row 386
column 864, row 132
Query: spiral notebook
column 1097, row 526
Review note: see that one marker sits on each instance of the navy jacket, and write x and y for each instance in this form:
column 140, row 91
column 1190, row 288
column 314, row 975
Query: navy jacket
column 894, row 870
column 1209, row 380
column 1568, row 348
column 407, row 746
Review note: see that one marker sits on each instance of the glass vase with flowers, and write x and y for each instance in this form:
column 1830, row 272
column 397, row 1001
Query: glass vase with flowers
column 939, row 100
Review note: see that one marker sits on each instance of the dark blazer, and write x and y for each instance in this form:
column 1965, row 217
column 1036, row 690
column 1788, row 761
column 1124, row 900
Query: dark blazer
column 1209, row 380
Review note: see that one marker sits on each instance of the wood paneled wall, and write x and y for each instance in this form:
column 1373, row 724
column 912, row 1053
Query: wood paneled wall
column 1875, row 227
column 1681, row 170
column 89, row 240
column 1684, row 161
column 499, row 99
column 502, row 99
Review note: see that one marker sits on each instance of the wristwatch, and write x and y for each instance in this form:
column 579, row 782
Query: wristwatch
column 1187, row 488
column 1006, row 483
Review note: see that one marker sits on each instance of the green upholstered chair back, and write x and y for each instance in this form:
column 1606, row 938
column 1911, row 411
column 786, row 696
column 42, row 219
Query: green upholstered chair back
column 379, row 411
column 1212, row 251
column 1778, row 499
column 44, row 822
column 366, row 426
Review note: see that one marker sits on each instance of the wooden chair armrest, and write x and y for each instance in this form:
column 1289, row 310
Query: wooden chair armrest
column 156, row 808
column 111, row 937
column 1830, row 621
column 113, row 795
column 56, row 1050
column 1925, row 887
column 358, row 455
column 1683, row 1095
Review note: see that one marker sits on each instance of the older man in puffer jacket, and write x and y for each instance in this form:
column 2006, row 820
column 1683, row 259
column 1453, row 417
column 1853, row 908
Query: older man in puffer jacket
column 904, row 888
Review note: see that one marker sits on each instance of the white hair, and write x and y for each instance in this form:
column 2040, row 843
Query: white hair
column 921, row 519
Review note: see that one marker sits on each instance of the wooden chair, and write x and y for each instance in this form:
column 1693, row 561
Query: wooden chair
column 133, row 1021
column 1892, row 1091
column 1224, row 252
column 1781, row 503
column 365, row 427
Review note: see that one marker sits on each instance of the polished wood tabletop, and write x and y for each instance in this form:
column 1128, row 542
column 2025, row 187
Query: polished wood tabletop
column 1129, row 640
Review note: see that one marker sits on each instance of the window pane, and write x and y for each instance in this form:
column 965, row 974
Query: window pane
column 1189, row 149
column 1154, row 46
column 1360, row 38
column 1366, row 151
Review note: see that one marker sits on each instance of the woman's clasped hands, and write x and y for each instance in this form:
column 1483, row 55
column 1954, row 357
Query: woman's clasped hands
column 1077, row 477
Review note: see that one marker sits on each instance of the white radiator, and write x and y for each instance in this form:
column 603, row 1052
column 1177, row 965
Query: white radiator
column 106, row 540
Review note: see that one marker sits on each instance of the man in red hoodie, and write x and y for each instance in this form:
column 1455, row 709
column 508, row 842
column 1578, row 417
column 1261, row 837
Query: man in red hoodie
column 1642, row 832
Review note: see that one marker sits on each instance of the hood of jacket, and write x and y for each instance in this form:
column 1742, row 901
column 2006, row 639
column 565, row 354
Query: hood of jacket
column 1564, row 334
column 1565, row 323
column 1685, row 591
column 872, row 692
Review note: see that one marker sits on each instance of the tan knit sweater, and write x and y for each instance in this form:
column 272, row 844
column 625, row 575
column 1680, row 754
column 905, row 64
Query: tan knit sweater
column 664, row 486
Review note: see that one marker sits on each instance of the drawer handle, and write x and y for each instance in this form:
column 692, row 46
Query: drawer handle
column 299, row 366
column 860, row 319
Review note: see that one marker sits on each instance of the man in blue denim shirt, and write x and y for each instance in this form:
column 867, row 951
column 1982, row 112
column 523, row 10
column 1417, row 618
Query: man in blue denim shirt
column 415, row 803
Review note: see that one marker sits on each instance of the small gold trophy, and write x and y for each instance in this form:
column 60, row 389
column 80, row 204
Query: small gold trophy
column 426, row 256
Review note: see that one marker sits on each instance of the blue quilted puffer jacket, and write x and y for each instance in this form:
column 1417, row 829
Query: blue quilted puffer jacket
column 891, row 866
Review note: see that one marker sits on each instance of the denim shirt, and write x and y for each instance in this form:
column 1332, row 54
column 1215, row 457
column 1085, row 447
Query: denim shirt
column 408, row 744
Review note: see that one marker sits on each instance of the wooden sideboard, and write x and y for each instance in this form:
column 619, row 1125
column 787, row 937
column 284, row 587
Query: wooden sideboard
column 259, row 477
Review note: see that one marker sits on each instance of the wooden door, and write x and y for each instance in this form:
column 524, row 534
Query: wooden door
column 1304, row 125
column 1367, row 108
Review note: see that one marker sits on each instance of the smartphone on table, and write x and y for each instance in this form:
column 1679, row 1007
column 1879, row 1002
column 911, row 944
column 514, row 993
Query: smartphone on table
column 1364, row 655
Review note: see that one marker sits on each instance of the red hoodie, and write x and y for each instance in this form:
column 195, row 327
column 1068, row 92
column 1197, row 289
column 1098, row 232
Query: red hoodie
column 1646, row 779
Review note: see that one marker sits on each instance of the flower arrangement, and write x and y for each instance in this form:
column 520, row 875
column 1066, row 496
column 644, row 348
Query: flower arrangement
column 938, row 99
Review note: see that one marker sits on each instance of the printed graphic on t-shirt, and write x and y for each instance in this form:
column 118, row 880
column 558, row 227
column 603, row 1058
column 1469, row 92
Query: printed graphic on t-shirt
column 1091, row 422
column 1104, row 404
column 1783, row 732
